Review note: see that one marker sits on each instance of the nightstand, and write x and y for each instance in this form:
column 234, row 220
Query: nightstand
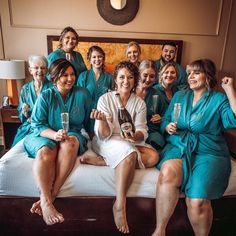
column 10, row 124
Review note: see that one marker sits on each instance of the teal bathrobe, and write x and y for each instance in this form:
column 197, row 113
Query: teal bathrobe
column 155, row 138
column 77, row 62
column 96, row 88
column 28, row 96
column 161, row 90
column 200, row 143
column 47, row 114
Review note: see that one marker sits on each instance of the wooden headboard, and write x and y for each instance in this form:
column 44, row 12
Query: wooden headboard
column 115, row 47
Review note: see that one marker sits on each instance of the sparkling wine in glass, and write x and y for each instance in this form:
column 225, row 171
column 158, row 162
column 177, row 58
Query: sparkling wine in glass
column 177, row 109
column 154, row 103
column 65, row 121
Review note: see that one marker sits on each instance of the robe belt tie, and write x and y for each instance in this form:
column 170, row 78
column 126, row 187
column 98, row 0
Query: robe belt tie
column 191, row 141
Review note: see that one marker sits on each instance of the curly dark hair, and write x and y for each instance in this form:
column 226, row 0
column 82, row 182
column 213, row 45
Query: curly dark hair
column 63, row 33
column 133, row 69
column 58, row 68
column 207, row 67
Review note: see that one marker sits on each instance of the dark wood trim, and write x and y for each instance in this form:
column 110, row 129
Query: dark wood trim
column 92, row 216
column 179, row 43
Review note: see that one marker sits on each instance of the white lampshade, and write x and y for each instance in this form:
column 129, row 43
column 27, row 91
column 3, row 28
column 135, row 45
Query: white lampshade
column 12, row 69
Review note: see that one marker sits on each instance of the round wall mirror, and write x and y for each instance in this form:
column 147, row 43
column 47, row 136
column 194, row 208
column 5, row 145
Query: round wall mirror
column 118, row 12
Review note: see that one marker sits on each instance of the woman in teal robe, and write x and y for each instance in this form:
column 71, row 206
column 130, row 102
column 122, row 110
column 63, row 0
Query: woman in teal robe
column 196, row 158
column 68, row 40
column 29, row 93
column 154, row 102
column 167, row 83
column 55, row 147
column 96, row 80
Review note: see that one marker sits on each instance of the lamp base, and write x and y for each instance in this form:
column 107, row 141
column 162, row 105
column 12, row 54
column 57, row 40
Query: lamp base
column 12, row 92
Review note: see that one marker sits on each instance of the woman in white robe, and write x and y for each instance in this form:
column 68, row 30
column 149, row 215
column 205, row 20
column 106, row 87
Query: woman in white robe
column 123, row 152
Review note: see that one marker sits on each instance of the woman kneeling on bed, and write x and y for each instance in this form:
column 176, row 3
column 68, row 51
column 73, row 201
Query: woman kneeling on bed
column 55, row 141
column 122, row 150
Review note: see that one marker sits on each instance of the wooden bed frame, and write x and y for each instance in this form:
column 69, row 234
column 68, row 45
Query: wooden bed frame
column 85, row 216
column 93, row 216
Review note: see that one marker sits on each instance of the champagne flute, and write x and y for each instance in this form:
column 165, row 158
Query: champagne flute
column 154, row 103
column 65, row 121
column 177, row 109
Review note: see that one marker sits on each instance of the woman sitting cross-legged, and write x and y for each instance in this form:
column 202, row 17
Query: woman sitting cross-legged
column 56, row 142
column 122, row 149
column 196, row 159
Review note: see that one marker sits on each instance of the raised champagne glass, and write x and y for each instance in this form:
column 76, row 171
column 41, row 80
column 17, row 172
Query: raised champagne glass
column 177, row 109
column 65, row 121
column 154, row 103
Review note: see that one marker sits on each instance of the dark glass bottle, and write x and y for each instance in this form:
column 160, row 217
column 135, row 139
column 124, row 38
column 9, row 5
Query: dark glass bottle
column 124, row 118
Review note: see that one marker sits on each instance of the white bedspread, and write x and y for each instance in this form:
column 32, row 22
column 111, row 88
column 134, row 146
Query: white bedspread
column 16, row 179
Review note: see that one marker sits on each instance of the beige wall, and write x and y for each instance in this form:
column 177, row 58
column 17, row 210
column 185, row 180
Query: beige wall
column 207, row 27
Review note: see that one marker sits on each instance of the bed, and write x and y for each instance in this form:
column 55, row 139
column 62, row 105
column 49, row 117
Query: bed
column 87, row 196
column 86, row 200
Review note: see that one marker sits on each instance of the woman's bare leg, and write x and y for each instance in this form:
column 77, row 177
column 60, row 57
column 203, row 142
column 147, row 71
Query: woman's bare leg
column 67, row 155
column 167, row 195
column 200, row 215
column 124, row 176
column 149, row 156
column 44, row 173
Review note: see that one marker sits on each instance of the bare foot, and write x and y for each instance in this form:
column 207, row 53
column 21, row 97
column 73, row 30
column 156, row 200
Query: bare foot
column 158, row 233
column 50, row 214
column 120, row 219
column 36, row 208
column 92, row 160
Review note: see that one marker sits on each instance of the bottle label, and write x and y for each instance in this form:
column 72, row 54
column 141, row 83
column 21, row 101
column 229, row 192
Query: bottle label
column 126, row 127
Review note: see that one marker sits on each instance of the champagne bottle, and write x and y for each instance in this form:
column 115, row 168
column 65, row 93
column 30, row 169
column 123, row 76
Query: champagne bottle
column 124, row 118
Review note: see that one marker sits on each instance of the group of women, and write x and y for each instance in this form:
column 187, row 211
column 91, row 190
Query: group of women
column 183, row 150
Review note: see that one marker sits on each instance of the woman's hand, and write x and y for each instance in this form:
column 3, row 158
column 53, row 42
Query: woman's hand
column 60, row 135
column 227, row 83
column 25, row 109
column 228, row 86
column 171, row 128
column 98, row 115
column 156, row 118
column 129, row 136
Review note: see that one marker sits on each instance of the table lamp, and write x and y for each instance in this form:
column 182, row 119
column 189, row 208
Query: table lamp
column 11, row 70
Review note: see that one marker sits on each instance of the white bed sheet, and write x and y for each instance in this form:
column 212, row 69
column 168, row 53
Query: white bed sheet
column 16, row 179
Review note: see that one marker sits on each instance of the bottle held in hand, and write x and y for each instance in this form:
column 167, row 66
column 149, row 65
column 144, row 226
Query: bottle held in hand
column 124, row 118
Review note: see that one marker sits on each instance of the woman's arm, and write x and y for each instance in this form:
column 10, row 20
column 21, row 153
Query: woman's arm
column 227, row 85
column 103, row 127
column 58, row 136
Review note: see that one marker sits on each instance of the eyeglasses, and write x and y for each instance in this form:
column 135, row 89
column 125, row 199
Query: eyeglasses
column 39, row 68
